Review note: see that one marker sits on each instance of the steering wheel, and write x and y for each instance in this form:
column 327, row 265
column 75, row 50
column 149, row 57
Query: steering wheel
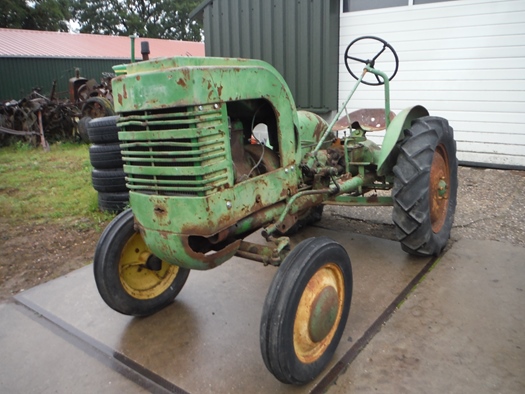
column 371, row 62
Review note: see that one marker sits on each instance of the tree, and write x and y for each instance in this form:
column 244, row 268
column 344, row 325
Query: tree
column 145, row 18
column 50, row 15
column 13, row 13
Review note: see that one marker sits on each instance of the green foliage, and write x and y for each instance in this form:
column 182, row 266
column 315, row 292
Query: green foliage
column 52, row 187
column 22, row 146
column 146, row 18
column 50, row 15
column 13, row 13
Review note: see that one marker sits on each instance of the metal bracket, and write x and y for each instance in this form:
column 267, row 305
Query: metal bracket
column 265, row 254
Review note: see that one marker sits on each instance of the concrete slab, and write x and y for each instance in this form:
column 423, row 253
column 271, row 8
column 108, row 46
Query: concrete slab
column 461, row 331
column 207, row 341
column 40, row 359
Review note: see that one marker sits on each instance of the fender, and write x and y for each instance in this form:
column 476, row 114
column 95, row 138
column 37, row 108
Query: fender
column 311, row 127
column 394, row 133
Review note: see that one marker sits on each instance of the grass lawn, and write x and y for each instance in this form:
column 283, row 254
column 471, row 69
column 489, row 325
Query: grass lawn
column 48, row 187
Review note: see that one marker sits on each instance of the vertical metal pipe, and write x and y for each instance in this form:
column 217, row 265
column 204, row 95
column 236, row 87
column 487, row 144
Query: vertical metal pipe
column 132, row 37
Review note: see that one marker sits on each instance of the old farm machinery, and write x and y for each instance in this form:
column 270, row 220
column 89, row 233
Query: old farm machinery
column 199, row 185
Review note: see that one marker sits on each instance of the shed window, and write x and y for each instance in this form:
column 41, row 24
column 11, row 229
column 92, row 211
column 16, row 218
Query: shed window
column 363, row 5
column 417, row 2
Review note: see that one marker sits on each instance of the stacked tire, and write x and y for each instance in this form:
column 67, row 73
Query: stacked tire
column 108, row 176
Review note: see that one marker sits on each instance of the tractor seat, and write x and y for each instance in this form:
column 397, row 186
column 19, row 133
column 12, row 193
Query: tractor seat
column 367, row 119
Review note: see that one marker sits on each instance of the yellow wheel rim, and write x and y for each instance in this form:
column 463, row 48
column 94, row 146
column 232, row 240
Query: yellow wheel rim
column 439, row 184
column 319, row 313
column 139, row 281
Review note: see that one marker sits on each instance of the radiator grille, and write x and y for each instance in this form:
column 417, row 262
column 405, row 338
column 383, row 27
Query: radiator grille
column 176, row 151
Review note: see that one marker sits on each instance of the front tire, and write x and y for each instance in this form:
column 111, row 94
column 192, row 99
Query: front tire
column 130, row 279
column 425, row 186
column 306, row 310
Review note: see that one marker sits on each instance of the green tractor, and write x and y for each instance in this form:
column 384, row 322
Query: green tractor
column 200, row 183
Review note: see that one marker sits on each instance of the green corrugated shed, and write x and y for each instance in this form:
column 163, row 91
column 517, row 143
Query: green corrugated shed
column 32, row 58
column 300, row 38
column 26, row 73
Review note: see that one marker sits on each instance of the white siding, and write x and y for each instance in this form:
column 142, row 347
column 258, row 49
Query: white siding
column 463, row 60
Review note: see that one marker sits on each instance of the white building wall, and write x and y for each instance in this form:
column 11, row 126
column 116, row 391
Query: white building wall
column 463, row 60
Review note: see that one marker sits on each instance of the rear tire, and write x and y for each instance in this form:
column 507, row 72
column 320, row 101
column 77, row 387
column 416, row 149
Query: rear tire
column 425, row 186
column 129, row 278
column 97, row 107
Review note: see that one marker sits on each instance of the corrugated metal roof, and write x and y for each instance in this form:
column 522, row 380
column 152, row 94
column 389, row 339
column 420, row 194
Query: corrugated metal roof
column 31, row 43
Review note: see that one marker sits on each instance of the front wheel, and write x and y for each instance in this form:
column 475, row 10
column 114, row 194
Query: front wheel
column 130, row 279
column 425, row 186
column 306, row 310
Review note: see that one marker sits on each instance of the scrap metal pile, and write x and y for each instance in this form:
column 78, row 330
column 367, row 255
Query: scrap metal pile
column 37, row 119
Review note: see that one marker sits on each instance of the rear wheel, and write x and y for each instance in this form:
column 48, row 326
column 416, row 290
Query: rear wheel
column 97, row 107
column 131, row 279
column 425, row 186
column 306, row 310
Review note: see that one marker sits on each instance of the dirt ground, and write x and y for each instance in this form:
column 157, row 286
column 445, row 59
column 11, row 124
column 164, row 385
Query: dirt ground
column 491, row 206
column 34, row 254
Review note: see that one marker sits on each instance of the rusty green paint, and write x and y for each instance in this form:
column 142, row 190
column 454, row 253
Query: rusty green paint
column 207, row 215
column 394, row 133
column 193, row 81
column 162, row 220
column 185, row 193
column 186, row 151
column 362, row 153
column 311, row 128
column 176, row 147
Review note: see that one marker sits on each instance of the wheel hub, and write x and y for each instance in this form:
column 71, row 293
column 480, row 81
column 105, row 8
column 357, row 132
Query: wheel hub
column 153, row 263
column 324, row 314
column 439, row 181
column 318, row 313
column 442, row 188
column 142, row 274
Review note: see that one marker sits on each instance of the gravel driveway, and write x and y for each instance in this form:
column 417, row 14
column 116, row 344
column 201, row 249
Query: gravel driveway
column 491, row 206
